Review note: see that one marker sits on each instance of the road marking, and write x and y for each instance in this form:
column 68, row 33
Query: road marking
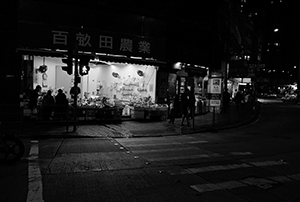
column 146, row 144
column 35, row 186
column 183, row 157
column 228, row 167
column 206, row 187
column 263, row 183
column 196, row 142
column 268, row 163
column 241, row 153
column 151, row 144
column 296, row 176
column 219, row 168
column 166, row 150
column 259, row 182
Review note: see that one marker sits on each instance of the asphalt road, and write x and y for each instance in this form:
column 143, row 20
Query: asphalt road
column 257, row 162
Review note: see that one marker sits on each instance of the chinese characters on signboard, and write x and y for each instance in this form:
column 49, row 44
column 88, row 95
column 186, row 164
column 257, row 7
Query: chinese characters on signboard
column 105, row 42
column 60, row 37
column 95, row 41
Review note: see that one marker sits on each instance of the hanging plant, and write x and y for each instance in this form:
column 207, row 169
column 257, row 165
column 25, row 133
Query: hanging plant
column 140, row 73
column 116, row 75
column 43, row 68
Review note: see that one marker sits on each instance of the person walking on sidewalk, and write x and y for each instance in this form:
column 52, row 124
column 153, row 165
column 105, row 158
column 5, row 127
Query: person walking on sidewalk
column 184, row 106
column 191, row 109
column 226, row 100
column 48, row 105
column 173, row 109
column 239, row 99
column 33, row 101
column 61, row 105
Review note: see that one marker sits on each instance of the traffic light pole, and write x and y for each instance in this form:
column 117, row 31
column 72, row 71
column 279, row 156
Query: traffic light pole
column 76, row 88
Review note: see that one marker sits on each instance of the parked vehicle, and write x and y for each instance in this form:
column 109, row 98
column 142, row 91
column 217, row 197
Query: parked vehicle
column 11, row 149
column 290, row 98
column 268, row 95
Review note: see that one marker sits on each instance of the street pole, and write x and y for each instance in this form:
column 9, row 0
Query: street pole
column 76, row 77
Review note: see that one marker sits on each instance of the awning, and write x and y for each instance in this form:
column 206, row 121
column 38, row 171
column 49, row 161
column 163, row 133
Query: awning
column 106, row 58
column 41, row 52
column 130, row 60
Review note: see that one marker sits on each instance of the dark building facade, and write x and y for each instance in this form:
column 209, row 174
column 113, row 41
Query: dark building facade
column 197, row 36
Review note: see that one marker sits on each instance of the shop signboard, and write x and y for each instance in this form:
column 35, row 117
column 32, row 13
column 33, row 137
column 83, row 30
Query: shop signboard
column 215, row 85
column 214, row 99
column 214, row 103
column 38, row 36
column 215, row 90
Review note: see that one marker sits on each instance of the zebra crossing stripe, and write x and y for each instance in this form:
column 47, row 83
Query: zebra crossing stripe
column 152, row 144
column 268, row 163
column 296, row 176
column 263, row 183
column 166, row 150
column 184, row 157
column 164, row 143
column 241, row 153
column 229, row 167
column 206, row 187
column 219, row 168
column 231, row 184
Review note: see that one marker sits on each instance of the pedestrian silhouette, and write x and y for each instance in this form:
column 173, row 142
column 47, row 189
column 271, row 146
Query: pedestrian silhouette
column 184, row 106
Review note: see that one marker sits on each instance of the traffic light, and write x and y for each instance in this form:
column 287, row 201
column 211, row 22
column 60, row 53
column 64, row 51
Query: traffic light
column 69, row 62
column 84, row 65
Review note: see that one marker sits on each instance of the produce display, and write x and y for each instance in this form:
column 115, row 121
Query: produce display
column 97, row 102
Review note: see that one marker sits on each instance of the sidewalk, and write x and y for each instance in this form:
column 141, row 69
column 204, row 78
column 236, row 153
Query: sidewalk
column 126, row 129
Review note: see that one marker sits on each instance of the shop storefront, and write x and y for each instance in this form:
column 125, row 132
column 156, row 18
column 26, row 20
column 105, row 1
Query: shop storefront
column 193, row 77
column 121, row 81
column 126, row 88
column 239, row 84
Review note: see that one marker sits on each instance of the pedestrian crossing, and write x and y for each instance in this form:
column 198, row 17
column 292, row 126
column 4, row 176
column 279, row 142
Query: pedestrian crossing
column 230, row 167
column 238, row 173
column 262, row 183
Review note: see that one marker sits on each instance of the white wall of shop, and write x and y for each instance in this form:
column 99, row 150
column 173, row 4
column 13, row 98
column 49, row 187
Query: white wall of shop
column 127, row 85
column 100, row 80
column 55, row 77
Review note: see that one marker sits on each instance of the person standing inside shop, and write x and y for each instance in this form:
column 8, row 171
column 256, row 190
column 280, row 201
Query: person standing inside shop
column 33, row 100
column 61, row 104
column 48, row 105
column 184, row 106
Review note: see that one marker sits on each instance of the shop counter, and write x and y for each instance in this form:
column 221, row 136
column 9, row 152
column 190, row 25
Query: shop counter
column 99, row 114
column 160, row 113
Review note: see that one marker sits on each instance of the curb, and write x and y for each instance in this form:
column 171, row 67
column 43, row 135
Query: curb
column 204, row 129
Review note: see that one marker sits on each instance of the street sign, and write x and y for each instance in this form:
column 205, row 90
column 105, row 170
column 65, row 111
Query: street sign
column 214, row 103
